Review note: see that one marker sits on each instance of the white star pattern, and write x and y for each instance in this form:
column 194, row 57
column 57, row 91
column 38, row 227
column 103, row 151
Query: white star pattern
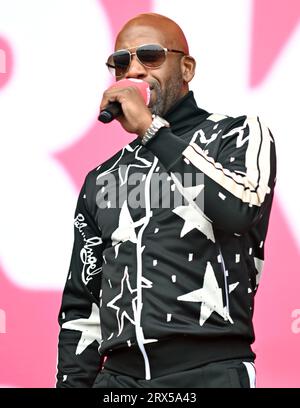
column 119, row 296
column 232, row 286
column 121, row 316
column 126, row 228
column 210, row 295
column 259, row 263
column 90, row 329
column 146, row 283
column 193, row 216
column 124, row 169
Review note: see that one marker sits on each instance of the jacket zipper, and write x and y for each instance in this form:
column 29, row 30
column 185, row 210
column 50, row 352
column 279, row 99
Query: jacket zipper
column 138, row 328
column 225, row 274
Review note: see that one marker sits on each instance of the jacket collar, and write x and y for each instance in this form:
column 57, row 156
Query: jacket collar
column 185, row 114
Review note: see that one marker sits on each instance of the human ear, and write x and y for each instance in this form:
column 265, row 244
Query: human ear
column 188, row 66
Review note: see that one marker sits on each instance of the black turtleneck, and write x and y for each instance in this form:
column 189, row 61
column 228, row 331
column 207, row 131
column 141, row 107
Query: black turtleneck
column 184, row 115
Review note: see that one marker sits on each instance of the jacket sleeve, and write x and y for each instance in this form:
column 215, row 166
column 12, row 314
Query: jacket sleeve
column 238, row 166
column 79, row 320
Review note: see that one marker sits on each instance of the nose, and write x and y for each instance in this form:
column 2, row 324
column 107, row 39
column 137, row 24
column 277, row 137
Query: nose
column 136, row 69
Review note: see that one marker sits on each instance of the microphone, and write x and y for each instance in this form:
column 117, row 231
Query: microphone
column 110, row 112
column 114, row 109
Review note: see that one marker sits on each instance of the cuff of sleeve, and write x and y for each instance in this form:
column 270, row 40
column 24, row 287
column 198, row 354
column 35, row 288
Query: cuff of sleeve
column 167, row 147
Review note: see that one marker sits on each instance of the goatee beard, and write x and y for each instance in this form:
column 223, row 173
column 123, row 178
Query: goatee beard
column 164, row 101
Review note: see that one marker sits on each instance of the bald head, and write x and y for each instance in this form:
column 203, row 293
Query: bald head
column 170, row 33
column 169, row 80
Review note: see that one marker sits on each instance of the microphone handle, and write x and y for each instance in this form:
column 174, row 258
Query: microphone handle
column 110, row 112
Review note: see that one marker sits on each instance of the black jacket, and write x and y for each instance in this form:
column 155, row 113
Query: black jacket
column 169, row 247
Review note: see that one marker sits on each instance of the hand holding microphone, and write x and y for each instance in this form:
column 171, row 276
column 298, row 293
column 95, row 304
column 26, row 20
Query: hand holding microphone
column 114, row 109
column 110, row 112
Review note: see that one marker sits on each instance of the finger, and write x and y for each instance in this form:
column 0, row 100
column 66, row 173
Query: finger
column 108, row 96
column 127, row 95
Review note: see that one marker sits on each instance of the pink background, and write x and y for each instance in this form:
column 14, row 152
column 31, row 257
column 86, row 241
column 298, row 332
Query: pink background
column 52, row 76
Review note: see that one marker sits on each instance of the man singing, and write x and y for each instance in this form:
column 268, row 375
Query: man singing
column 162, row 279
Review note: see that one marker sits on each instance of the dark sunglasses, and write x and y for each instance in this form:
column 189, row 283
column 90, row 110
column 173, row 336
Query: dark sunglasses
column 150, row 55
